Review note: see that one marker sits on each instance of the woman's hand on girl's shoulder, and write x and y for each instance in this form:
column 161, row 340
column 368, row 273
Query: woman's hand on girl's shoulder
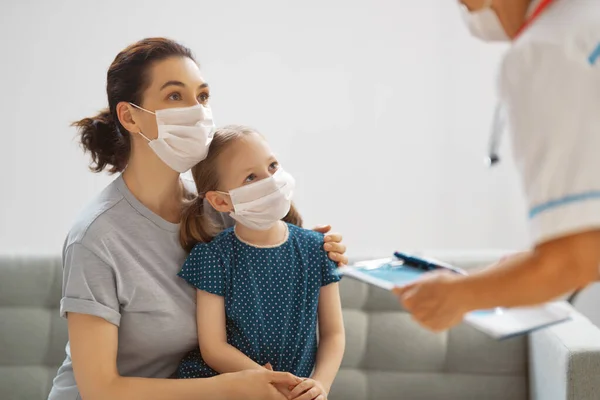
column 333, row 245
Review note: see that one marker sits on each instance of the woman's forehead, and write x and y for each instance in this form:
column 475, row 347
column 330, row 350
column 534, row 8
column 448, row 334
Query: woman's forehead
column 180, row 70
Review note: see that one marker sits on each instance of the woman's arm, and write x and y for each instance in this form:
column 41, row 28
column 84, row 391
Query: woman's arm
column 94, row 343
column 216, row 352
column 332, row 340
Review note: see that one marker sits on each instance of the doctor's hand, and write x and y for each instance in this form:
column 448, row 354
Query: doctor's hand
column 333, row 245
column 435, row 301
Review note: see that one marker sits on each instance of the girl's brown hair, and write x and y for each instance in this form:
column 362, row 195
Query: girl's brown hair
column 196, row 225
column 103, row 135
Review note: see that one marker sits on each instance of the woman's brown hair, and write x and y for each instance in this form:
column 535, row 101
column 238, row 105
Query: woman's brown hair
column 196, row 225
column 128, row 76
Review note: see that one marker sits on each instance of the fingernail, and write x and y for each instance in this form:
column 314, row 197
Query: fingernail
column 328, row 247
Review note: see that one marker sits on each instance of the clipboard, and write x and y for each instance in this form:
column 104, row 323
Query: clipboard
column 499, row 323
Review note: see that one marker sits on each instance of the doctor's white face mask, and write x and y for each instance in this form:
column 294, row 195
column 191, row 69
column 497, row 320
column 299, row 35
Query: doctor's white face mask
column 261, row 204
column 184, row 135
column 484, row 24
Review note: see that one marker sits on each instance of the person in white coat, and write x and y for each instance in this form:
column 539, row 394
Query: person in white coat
column 549, row 92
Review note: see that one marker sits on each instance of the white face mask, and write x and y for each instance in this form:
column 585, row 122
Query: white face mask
column 484, row 23
column 184, row 135
column 261, row 204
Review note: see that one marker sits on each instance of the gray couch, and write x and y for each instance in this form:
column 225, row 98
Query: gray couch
column 387, row 356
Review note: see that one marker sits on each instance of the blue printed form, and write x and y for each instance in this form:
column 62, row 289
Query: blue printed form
column 499, row 323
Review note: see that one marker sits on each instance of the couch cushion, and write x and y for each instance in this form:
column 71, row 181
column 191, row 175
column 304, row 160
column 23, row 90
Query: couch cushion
column 26, row 383
column 32, row 334
column 389, row 356
column 30, row 281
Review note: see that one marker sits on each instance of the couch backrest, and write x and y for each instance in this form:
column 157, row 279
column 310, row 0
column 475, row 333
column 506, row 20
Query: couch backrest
column 32, row 334
column 387, row 355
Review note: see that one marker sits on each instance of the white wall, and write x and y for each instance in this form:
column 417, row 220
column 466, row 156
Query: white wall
column 380, row 109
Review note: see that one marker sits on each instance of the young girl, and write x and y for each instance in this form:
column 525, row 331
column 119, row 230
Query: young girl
column 263, row 284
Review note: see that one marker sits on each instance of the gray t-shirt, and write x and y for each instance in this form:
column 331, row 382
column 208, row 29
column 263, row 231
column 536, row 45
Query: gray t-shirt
column 120, row 263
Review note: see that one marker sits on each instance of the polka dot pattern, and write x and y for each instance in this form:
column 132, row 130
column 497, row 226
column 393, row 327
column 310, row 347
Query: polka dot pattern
column 271, row 297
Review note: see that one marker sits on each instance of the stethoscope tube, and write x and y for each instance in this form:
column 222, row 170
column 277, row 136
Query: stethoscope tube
column 498, row 125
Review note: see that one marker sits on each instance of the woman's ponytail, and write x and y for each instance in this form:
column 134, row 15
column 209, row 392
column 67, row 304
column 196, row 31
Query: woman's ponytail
column 196, row 226
column 107, row 146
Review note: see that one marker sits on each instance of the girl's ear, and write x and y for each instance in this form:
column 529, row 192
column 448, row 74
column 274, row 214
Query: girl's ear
column 219, row 201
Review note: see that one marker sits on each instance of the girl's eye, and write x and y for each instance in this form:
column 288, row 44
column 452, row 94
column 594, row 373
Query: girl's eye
column 274, row 166
column 175, row 97
column 250, row 178
column 203, row 98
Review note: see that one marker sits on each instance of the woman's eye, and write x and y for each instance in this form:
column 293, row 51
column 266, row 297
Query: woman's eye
column 203, row 98
column 250, row 178
column 274, row 166
column 175, row 97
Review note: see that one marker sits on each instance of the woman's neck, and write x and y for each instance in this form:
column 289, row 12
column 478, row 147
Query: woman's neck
column 273, row 236
column 157, row 187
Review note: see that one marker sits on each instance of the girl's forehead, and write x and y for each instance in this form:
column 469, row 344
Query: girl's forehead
column 246, row 153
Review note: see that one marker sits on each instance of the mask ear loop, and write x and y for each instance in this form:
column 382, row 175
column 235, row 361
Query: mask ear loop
column 142, row 108
column 144, row 136
column 148, row 111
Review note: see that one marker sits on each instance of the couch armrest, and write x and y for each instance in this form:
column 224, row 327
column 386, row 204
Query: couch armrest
column 564, row 361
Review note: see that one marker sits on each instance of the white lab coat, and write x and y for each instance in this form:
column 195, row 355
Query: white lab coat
column 549, row 85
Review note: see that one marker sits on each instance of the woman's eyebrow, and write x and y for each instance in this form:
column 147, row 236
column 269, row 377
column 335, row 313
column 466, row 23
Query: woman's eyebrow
column 172, row 83
column 181, row 84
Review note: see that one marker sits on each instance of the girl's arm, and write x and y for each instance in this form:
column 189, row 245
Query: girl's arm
column 332, row 339
column 94, row 343
column 216, row 352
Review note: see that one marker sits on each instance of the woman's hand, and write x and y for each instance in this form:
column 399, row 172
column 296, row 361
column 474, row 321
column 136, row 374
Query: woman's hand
column 257, row 384
column 333, row 245
column 309, row 389
column 284, row 389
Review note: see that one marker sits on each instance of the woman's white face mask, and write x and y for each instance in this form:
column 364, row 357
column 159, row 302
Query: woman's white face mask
column 484, row 23
column 184, row 135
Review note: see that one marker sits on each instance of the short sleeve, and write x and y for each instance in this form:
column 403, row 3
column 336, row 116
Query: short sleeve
column 89, row 285
column 204, row 269
column 329, row 269
column 552, row 100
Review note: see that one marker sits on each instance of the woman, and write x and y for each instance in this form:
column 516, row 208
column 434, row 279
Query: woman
column 130, row 318
column 549, row 84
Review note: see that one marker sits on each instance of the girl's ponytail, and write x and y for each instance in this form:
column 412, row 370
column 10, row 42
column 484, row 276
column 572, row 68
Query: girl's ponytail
column 293, row 217
column 196, row 226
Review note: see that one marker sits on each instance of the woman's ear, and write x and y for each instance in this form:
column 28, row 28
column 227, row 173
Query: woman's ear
column 125, row 115
column 219, row 201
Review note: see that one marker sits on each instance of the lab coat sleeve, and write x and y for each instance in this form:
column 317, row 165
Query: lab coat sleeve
column 552, row 99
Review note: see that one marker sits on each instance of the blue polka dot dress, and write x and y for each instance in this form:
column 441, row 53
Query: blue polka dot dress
column 271, row 297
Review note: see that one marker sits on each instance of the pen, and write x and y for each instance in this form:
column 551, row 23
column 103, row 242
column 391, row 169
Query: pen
column 424, row 264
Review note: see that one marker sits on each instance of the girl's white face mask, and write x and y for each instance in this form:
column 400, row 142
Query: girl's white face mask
column 484, row 24
column 261, row 204
column 184, row 135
